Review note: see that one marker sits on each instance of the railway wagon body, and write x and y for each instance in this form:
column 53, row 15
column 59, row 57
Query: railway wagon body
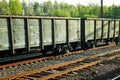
column 25, row 33
column 100, row 31
column 4, row 38
column 57, row 34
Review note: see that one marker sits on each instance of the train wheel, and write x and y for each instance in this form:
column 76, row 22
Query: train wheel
column 44, row 52
column 116, row 41
column 57, row 50
column 73, row 47
column 87, row 45
column 70, row 48
column 66, row 49
column 92, row 45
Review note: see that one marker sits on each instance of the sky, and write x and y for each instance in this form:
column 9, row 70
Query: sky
column 83, row 2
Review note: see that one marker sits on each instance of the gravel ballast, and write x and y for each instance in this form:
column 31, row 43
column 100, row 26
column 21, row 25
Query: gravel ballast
column 50, row 62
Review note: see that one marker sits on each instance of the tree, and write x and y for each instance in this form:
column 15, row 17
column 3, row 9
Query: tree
column 47, row 8
column 4, row 8
column 116, row 12
column 93, row 11
column 82, row 10
column 24, row 7
column 109, row 13
column 61, row 13
column 15, row 7
column 36, row 8
column 73, row 11
column 57, row 9
column 56, row 6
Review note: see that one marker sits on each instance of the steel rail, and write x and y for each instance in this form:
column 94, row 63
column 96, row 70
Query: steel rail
column 62, row 65
column 48, row 57
column 77, row 68
column 116, row 78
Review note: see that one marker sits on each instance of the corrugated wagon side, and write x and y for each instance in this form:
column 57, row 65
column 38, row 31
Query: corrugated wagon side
column 4, row 34
column 99, row 31
column 20, row 34
column 67, row 34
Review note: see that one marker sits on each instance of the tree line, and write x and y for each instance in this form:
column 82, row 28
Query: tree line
column 15, row 7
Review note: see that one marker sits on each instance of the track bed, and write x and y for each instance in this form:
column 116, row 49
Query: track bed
column 46, row 63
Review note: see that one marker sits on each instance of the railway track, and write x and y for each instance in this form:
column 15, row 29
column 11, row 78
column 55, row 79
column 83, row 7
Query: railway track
column 116, row 78
column 27, row 61
column 52, row 72
column 104, row 71
column 11, row 69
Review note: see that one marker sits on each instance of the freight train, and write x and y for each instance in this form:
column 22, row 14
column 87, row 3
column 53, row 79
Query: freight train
column 19, row 34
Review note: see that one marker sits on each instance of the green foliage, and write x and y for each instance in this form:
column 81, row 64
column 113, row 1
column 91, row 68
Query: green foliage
column 57, row 9
column 36, row 8
column 4, row 8
column 61, row 10
column 47, row 7
column 61, row 13
column 116, row 12
column 24, row 7
column 15, row 7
